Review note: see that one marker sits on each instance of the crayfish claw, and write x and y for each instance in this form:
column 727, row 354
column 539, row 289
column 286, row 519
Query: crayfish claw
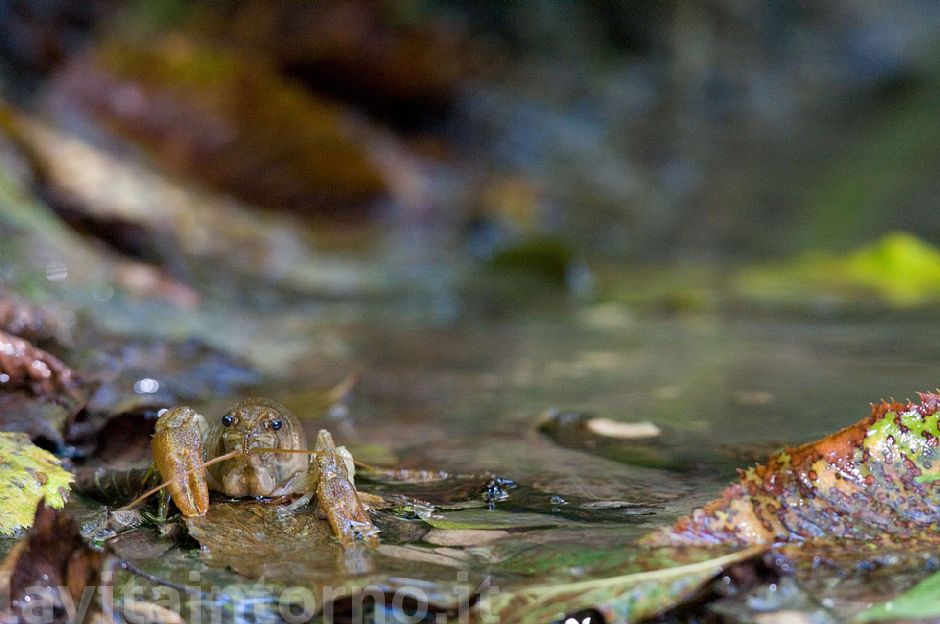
column 178, row 455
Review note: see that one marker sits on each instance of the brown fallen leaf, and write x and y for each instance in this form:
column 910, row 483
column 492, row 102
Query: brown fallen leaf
column 875, row 481
column 52, row 571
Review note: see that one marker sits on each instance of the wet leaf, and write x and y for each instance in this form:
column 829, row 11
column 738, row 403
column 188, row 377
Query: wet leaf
column 52, row 565
column 27, row 474
column 619, row 599
column 877, row 480
column 919, row 602
column 463, row 537
column 495, row 519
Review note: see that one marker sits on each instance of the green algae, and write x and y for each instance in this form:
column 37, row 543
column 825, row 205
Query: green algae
column 899, row 270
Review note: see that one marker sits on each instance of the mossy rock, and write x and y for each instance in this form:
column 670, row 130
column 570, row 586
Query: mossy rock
column 227, row 119
column 899, row 270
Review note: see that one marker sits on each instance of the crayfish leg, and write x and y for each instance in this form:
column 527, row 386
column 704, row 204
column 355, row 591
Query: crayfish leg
column 337, row 495
column 178, row 455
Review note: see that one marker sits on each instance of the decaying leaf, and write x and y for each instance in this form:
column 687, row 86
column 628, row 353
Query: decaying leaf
column 24, row 366
column 27, row 475
column 52, row 571
column 876, row 480
column 619, row 599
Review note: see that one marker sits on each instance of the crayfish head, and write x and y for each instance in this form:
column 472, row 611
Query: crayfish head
column 259, row 424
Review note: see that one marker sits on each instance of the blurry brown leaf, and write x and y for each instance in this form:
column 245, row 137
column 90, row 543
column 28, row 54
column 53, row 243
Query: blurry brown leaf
column 26, row 320
column 124, row 439
column 24, row 366
column 53, row 568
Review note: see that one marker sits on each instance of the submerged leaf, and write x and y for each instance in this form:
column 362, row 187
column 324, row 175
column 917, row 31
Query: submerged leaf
column 483, row 519
column 625, row 598
column 919, row 602
column 49, row 568
column 27, row 474
column 877, row 480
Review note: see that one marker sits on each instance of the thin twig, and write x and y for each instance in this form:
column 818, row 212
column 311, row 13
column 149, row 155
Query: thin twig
column 130, row 567
column 339, row 392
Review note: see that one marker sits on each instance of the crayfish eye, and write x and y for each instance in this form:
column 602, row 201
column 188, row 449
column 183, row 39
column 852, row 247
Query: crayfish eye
column 228, row 420
column 276, row 424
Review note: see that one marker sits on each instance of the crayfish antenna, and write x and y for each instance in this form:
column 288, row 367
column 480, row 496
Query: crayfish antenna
column 166, row 484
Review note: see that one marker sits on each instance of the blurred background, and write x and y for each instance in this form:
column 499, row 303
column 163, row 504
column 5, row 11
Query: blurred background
column 642, row 131
column 491, row 208
column 608, row 250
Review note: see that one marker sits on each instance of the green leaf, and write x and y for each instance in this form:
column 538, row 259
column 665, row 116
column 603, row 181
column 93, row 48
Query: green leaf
column 28, row 474
column 921, row 601
column 620, row 599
